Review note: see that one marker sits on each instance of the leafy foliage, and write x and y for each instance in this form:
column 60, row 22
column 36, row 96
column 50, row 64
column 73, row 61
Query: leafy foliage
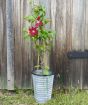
column 37, row 33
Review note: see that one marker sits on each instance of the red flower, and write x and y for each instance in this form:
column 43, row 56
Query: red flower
column 38, row 18
column 38, row 23
column 33, row 31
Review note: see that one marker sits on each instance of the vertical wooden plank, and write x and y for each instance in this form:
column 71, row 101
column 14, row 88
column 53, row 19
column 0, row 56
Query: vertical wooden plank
column 10, row 46
column 69, row 8
column 3, row 71
column 85, row 74
column 53, row 18
column 82, row 40
column 75, row 73
column 78, row 25
column 1, row 37
column 53, row 13
column 78, row 31
column 85, row 69
column 23, row 63
column 86, row 25
column 23, row 78
column 53, row 27
column 18, row 44
column 61, row 24
column 61, row 38
column 81, row 72
column 27, row 53
column 60, row 44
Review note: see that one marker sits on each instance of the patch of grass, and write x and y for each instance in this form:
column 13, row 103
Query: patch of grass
column 59, row 97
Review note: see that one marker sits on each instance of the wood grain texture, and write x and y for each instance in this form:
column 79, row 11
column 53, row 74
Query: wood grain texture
column 85, row 74
column 3, row 64
column 77, row 25
column 22, row 47
column 86, row 24
column 10, row 45
column 70, row 21
column 76, row 73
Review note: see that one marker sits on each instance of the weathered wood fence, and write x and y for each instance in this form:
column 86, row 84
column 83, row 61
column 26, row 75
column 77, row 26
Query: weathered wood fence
column 70, row 21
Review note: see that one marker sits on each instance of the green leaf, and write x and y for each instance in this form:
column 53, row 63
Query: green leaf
column 34, row 39
column 36, row 8
column 45, row 32
column 39, row 11
column 30, row 1
column 26, row 36
column 46, row 67
column 29, row 18
column 24, row 30
column 45, row 72
column 44, row 9
column 45, row 21
column 51, row 32
column 37, row 66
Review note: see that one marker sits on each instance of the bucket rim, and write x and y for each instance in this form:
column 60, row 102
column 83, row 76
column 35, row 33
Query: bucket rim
column 51, row 73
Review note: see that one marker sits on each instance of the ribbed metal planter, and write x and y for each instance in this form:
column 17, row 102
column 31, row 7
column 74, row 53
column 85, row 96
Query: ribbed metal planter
column 42, row 86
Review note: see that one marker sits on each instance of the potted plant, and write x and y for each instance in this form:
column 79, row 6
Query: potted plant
column 41, row 38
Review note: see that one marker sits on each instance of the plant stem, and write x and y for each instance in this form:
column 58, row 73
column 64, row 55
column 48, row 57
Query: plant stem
column 44, row 59
column 38, row 60
column 38, row 57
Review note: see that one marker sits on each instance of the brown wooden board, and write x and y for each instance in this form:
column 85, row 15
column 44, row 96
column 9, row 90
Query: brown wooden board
column 70, row 21
column 3, row 71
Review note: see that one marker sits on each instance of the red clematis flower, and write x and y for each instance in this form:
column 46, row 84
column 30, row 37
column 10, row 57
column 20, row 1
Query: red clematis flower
column 38, row 18
column 32, row 31
column 39, row 22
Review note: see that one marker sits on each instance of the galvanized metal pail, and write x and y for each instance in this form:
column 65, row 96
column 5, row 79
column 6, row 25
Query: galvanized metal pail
column 43, row 85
